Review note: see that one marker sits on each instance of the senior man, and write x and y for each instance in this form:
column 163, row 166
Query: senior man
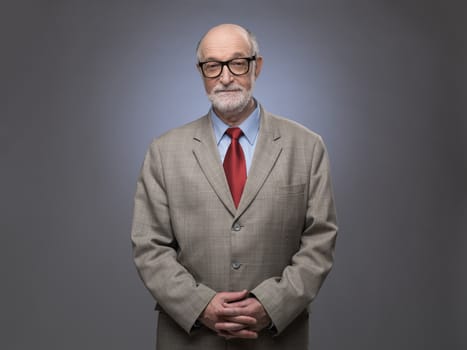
column 234, row 223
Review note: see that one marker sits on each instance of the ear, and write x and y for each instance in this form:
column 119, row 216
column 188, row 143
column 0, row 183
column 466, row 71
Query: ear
column 258, row 66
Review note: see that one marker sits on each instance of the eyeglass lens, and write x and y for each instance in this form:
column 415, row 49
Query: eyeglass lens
column 236, row 66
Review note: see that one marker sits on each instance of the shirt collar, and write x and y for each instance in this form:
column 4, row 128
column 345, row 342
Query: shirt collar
column 250, row 126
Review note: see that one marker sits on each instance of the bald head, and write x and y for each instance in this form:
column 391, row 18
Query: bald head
column 224, row 37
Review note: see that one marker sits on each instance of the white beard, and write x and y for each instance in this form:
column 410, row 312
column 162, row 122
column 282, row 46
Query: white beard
column 230, row 102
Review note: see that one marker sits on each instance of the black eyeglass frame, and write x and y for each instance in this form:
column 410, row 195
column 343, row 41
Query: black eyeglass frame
column 226, row 63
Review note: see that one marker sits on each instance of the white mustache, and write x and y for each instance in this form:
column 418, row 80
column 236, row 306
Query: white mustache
column 230, row 88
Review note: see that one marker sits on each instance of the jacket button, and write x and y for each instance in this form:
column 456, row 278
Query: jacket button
column 236, row 265
column 236, row 227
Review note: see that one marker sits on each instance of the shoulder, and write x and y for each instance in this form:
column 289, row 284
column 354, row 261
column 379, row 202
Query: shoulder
column 298, row 141
column 291, row 130
column 179, row 136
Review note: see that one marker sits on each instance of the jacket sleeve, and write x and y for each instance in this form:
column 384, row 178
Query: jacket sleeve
column 286, row 296
column 155, row 248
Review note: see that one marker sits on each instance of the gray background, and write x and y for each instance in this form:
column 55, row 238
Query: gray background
column 86, row 85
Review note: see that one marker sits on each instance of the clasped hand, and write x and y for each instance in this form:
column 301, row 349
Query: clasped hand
column 235, row 315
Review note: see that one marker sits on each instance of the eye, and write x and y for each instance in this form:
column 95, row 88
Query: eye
column 212, row 65
column 238, row 63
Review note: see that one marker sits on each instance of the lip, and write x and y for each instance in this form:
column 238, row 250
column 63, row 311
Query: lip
column 226, row 91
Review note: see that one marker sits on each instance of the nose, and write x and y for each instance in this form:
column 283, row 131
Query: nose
column 226, row 77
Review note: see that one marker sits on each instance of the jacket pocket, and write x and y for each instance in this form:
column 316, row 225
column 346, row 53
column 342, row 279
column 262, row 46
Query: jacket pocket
column 291, row 189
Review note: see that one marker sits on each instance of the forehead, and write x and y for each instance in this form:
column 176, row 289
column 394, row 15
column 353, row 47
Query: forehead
column 225, row 44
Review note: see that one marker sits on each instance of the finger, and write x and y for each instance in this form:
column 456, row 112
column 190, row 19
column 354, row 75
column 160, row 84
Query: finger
column 228, row 326
column 249, row 307
column 246, row 320
column 240, row 303
column 230, row 312
column 244, row 333
column 234, row 296
column 248, row 310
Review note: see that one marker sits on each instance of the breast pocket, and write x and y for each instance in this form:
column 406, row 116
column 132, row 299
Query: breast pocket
column 291, row 189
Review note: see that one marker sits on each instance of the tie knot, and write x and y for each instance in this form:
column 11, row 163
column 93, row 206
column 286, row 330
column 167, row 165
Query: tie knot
column 234, row 133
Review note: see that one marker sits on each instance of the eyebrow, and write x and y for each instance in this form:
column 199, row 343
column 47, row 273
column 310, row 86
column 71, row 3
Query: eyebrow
column 235, row 55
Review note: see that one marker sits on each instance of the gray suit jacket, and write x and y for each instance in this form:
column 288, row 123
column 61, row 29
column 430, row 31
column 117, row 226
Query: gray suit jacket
column 190, row 241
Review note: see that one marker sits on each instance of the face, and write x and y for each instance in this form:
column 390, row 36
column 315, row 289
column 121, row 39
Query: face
column 229, row 93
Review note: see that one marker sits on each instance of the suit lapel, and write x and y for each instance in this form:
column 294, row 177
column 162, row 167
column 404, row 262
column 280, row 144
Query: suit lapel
column 267, row 151
column 207, row 155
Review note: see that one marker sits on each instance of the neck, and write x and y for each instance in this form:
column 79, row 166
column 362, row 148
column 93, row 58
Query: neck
column 236, row 118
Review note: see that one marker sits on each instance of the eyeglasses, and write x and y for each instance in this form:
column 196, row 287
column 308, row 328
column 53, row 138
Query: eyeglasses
column 237, row 66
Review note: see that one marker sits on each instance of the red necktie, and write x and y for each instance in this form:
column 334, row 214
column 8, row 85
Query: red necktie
column 235, row 165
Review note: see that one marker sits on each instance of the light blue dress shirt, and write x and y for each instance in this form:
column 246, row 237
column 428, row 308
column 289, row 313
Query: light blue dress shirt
column 250, row 128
